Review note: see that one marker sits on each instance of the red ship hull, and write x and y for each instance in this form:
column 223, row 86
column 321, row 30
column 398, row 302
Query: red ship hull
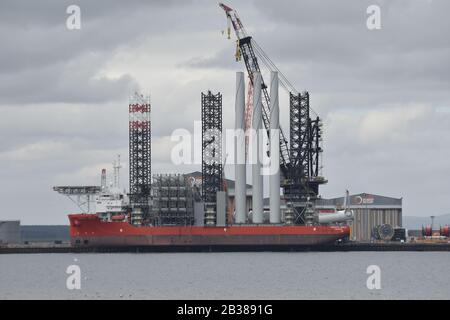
column 89, row 230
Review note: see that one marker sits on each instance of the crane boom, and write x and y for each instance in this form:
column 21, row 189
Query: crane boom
column 247, row 46
column 299, row 164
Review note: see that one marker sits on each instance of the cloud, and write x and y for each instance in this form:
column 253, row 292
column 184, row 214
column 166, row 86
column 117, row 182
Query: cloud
column 75, row 82
column 42, row 61
column 380, row 125
column 221, row 60
column 390, row 151
column 33, row 152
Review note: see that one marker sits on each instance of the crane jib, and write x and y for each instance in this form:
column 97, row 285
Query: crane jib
column 252, row 66
column 299, row 166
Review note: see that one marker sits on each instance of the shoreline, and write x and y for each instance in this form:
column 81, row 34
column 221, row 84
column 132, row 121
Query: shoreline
column 347, row 247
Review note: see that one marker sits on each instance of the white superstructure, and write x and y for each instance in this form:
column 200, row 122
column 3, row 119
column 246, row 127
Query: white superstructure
column 112, row 202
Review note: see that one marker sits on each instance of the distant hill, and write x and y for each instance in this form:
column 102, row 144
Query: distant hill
column 414, row 223
column 45, row 233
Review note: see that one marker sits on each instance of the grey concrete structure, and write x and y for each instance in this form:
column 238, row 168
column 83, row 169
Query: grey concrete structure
column 257, row 178
column 275, row 215
column 239, row 150
column 10, row 232
column 199, row 214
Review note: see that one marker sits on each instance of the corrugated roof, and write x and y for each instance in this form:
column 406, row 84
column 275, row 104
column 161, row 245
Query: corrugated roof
column 362, row 199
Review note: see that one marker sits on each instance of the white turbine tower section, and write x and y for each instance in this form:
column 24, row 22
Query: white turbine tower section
column 239, row 150
column 340, row 215
column 275, row 215
column 257, row 178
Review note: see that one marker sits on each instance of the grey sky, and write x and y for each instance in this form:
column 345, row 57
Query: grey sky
column 384, row 94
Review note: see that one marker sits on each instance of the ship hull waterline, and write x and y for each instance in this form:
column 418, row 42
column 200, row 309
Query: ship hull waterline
column 87, row 230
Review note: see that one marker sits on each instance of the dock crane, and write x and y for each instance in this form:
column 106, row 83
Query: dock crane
column 299, row 164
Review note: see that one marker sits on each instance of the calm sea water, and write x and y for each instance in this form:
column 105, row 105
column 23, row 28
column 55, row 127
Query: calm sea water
column 310, row 275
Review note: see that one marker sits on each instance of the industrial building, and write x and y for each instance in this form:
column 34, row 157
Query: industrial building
column 10, row 232
column 369, row 211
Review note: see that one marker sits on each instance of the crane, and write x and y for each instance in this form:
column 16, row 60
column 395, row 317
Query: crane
column 299, row 165
column 247, row 47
